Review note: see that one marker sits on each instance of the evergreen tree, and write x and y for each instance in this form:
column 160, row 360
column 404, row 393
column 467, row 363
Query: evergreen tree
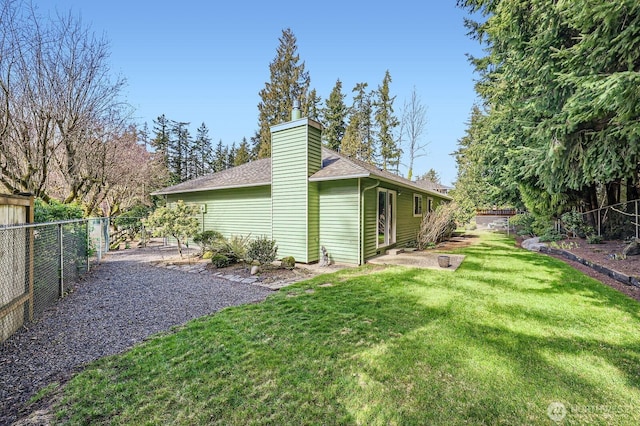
column 242, row 154
column 202, row 152
column 351, row 144
column 220, row 157
column 179, row 148
column 311, row 109
column 386, row 122
column 288, row 82
column 160, row 142
column 231, row 157
column 334, row 117
column 431, row 175
column 360, row 129
column 560, row 84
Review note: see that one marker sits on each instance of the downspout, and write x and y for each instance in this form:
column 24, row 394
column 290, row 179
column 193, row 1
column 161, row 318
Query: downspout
column 362, row 220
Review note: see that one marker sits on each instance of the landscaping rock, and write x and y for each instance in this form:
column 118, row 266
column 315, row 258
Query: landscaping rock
column 633, row 249
column 255, row 269
column 533, row 244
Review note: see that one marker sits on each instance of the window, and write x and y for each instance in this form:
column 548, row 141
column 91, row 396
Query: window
column 417, row 205
column 429, row 204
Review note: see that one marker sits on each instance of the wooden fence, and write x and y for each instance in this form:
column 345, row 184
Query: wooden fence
column 16, row 264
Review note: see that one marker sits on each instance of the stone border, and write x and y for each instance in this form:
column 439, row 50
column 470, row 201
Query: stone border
column 618, row 276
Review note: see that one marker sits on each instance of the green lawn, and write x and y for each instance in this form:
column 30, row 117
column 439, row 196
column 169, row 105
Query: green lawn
column 496, row 342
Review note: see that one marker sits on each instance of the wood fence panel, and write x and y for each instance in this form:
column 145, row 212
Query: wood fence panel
column 16, row 271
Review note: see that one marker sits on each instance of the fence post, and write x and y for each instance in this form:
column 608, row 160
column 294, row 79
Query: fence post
column 636, row 203
column 86, row 252
column 61, row 248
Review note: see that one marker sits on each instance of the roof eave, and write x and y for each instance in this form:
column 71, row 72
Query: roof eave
column 328, row 178
column 213, row 188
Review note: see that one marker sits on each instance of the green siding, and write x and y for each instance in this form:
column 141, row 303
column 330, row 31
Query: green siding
column 407, row 226
column 339, row 220
column 239, row 211
column 313, row 253
column 370, row 224
column 295, row 155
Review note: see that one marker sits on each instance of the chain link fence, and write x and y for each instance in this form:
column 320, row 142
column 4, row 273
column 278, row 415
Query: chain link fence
column 40, row 263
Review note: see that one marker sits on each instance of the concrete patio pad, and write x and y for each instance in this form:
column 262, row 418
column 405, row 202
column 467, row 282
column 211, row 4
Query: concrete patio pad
column 418, row 259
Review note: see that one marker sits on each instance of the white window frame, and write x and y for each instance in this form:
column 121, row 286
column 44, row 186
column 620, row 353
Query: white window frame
column 417, row 205
column 391, row 209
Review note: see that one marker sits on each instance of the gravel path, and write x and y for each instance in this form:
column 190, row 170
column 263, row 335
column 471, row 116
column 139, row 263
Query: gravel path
column 118, row 304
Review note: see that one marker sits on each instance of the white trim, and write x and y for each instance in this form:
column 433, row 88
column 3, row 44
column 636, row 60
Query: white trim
column 390, row 236
column 321, row 179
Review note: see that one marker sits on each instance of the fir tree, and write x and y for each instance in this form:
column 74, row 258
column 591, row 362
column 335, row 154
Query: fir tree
column 220, row 157
column 288, row 82
column 242, row 154
column 179, row 148
column 160, row 141
column 386, row 122
column 361, row 124
column 231, row 156
column 334, row 117
column 202, row 152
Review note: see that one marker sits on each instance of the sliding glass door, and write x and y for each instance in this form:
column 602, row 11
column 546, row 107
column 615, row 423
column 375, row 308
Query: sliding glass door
column 386, row 217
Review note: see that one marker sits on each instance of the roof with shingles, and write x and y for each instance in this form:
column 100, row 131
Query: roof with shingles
column 429, row 184
column 257, row 173
column 254, row 173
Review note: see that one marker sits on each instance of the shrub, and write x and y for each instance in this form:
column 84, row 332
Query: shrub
column 220, row 260
column 209, row 241
column 207, row 255
column 235, row 248
column 262, row 250
column 594, row 239
column 288, row 262
column 573, row 223
column 523, row 224
column 55, row 210
column 551, row 235
column 437, row 225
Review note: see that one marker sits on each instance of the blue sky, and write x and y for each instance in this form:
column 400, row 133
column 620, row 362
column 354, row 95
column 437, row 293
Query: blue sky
column 202, row 61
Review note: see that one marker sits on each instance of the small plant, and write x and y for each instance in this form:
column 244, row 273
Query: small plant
column 551, row 235
column 207, row 255
column 235, row 248
column 262, row 250
column 220, row 260
column 594, row 239
column 288, row 262
column 209, row 241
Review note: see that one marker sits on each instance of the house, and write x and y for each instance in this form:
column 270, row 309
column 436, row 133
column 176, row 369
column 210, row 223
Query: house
column 306, row 197
column 433, row 186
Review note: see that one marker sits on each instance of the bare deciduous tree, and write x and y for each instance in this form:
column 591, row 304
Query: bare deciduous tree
column 64, row 132
column 414, row 121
